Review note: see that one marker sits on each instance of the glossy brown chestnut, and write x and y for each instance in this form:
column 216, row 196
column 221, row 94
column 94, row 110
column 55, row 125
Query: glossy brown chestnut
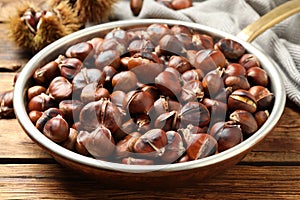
column 34, row 91
column 217, row 109
column 261, row 117
column 99, row 142
column 202, row 41
column 163, row 105
column 168, row 121
column 192, row 91
column 46, row 116
column 246, row 120
column 208, row 60
column 227, row 135
column 181, row 4
column 200, row 145
column 34, row 116
column 81, row 51
column 117, row 33
column 179, row 63
column 124, row 147
column 70, row 142
column 263, row 97
column 156, row 31
column 101, row 112
column 168, row 84
column 230, row 48
column 125, row 81
column 56, row 129
column 69, row 67
column 212, row 84
column 93, row 92
column 136, row 6
column 257, row 76
column 140, row 45
column 45, row 74
column 60, row 89
column 138, row 102
column 242, row 100
column 146, row 73
column 237, row 82
column 249, row 60
column 235, row 69
column 174, row 149
column 194, row 113
column 151, row 144
column 41, row 102
column 170, row 45
column 71, row 109
column 79, row 146
column 109, row 57
column 194, row 74
column 113, row 47
column 6, row 104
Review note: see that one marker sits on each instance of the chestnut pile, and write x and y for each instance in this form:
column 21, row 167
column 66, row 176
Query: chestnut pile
column 151, row 95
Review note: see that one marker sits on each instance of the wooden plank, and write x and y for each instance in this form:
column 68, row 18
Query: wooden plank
column 55, row 182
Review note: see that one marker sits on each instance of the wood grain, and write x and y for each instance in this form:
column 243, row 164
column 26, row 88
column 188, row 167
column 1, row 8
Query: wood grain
column 52, row 181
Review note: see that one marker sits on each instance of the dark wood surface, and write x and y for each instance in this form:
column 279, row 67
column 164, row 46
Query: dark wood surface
column 270, row 171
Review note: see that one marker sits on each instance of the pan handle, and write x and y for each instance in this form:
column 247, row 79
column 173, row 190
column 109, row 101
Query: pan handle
column 268, row 20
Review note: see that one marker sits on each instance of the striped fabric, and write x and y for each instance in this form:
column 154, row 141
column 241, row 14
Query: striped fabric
column 282, row 42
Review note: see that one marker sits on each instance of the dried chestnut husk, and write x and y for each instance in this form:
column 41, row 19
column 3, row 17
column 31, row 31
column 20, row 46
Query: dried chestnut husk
column 228, row 135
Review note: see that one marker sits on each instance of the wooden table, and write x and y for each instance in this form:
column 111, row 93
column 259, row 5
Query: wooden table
column 270, row 171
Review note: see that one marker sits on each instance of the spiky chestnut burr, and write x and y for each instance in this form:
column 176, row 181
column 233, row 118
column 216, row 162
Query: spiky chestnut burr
column 33, row 27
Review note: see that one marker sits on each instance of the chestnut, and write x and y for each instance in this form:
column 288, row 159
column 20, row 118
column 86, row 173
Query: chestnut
column 79, row 146
column 179, row 63
column 249, row 60
column 41, row 102
column 125, row 81
column 235, row 69
column 200, row 145
column 168, row 84
column 60, row 89
column 227, row 134
column 117, row 33
column 185, row 39
column 99, row 143
column 93, row 92
column 193, row 74
column 246, row 120
column 192, row 91
column 109, row 57
column 194, row 113
column 70, row 142
column 56, row 129
column 156, row 32
column 181, row 4
column 45, row 74
column 242, row 99
column 140, row 45
column 174, row 148
column 212, row 84
column 112, row 47
column 85, row 77
column 181, row 29
column 46, row 116
column 230, row 48
column 117, row 97
column 101, row 112
column 261, row 117
column 168, row 121
column 258, row 76
column 34, row 91
column 209, row 59
column 138, row 102
column 69, row 67
column 71, row 109
column 263, row 97
column 237, row 82
column 217, row 109
column 124, row 147
column 163, row 105
column 170, row 45
column 202, row 41
column 34, row 116
column 147, row 73
column 151, row 144
column 109, row 73
column 81, row 51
